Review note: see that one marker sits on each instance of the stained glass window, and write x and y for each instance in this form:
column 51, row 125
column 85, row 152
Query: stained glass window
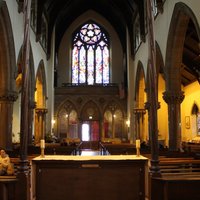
column 90, row 55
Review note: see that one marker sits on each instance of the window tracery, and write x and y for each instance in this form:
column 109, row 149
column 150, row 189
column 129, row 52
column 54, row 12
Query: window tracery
column 90, row 55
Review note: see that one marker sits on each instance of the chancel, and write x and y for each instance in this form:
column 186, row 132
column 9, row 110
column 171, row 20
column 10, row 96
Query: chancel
column 100, row 99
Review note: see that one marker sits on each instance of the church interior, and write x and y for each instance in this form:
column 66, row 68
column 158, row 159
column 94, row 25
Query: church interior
column 100, row 99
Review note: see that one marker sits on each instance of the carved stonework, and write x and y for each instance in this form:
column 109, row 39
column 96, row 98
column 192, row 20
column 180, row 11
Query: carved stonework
column 68, row 107
column 20, row 5
column 171, row 97
column 147, row 105
column 11, row 97
column 139, row 111
column 41, row 111
column 79, row 100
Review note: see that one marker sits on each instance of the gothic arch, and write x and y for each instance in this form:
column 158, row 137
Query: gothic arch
column 113, row 121
column 162, row 112
column 70, row 105
column 173, row 95
column 31, row 91
column 90, row 109
column 40, row 99
column 179, row 23
column 195, row 109
column 159, row 61
column 140, row 100
column 140, row 85
column 7, row 49
column 41, row 83
column 7, row 77
column 31, row 73
column 65, row 114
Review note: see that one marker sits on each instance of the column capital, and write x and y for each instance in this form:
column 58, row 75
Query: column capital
column 8, row 96
column 147, row 105
column 173, row 97
column 139, row 111
column 41, row 111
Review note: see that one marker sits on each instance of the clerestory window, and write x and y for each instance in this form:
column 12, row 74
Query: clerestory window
column 90, row 55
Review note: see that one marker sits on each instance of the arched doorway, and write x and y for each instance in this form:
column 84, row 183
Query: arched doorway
column 90, row 122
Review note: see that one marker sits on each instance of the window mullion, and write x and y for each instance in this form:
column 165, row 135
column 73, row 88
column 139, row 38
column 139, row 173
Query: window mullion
column 78, row 65
column 86, row 66
column 102, row 65
column 94, row 64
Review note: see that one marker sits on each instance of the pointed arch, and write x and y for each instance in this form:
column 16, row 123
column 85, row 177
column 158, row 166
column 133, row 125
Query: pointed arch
column 159, row 61
column 67, row 120
column 67, row 106
column 40, row 99
column 173, row 95
column 195, row 109
column 7, row 49
column 177, row 31
column 7, row 76
column 90, row 111
column 41, row 91
column 90, row 55
column 140, row 86
column 113, row 121
column 31, row 91
column 140, row 100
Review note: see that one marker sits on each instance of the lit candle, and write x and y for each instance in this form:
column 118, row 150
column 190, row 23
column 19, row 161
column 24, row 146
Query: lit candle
column 137, row 143
column 42, row 144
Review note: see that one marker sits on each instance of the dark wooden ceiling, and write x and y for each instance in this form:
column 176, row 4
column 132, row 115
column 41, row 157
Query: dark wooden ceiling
column 190, row 70
column 121, row 14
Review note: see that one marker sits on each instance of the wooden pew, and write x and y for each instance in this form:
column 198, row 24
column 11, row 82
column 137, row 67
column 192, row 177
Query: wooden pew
column 7, row 187
column 172, row 166
column 179, row 180
column 177, row 187
column 120, row 149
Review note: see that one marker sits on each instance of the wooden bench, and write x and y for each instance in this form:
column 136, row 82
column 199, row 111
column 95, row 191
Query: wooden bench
column 187, row 165
column 178, row 187
column 120, row 149
column 179, row 180
column 7, row 187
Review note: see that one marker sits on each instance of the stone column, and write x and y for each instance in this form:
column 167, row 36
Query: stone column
column 41, row 117
column 174, row 99
column 6, row 111
column 31, row 108
column 139, row 116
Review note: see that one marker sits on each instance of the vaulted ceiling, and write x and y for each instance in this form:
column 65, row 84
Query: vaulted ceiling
column 121, row 14
column 62, row 13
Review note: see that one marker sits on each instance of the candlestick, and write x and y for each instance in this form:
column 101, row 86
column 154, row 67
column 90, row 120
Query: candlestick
column 42, row 146
column 137, row 143
column 138, row 147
